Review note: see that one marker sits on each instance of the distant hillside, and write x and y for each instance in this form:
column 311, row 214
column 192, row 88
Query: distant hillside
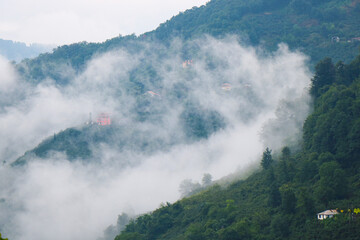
column 318, row 28
column 326, row 28
column 82, row 143
column 17, row 51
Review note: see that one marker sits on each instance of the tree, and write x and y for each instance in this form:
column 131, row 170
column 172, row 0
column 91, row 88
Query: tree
column 354, row 141
column 229, row 233
column 130, row 236
column 300, row 6
column 305, row 203
column 288, row 199
column 285, row 153
column 325, row 75
column 280, row 226
column 2, row 238
column 332, row 184
column 188, row 187
column 274, row 196
column 283, row 172
column 266, row 160
column 195, row 232
column 274, row 199
column 206, row 180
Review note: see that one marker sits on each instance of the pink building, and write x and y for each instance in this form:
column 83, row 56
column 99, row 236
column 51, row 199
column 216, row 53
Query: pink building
column 103, row 119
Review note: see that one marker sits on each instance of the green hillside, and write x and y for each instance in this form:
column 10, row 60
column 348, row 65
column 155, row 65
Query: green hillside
column 326, row 28
column 82, row 143
column 281, row 200
column 306, row 25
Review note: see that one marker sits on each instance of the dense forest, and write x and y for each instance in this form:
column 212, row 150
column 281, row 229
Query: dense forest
column 281, row 200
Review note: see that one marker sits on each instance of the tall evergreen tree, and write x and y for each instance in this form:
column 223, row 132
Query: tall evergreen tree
column 266, row 160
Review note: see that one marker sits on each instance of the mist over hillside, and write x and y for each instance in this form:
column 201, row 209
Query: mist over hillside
column 211, row 114
column 200, row 96
column 326, row 28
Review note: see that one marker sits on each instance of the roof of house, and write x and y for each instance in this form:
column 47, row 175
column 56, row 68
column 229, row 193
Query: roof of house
column 329, row 212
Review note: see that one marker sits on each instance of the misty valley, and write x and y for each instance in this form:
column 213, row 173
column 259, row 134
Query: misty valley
column 212, row 126
column 166, row 121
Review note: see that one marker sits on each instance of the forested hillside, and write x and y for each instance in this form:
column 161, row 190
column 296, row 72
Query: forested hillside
column 326, row 28
column 281, row 200
column 178, row 101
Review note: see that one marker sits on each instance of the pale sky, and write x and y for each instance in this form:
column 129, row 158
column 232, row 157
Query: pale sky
column 68, row 21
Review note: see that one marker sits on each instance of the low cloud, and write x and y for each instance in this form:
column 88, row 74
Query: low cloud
column 252, row 98
column 8, row 75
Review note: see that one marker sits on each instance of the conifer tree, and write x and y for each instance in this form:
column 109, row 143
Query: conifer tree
column 266, row 160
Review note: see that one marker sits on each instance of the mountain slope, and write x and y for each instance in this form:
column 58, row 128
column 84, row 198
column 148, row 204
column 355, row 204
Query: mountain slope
column 281, row 202
column 320, row 28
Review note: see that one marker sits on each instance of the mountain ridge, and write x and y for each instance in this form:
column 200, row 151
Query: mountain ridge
column 17, row 51
column 325, row 29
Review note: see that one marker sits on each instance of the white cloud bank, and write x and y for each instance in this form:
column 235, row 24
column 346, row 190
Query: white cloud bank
column 56, row 199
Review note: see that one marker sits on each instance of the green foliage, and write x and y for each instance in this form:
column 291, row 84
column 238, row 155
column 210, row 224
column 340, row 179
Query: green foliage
column 195, row 232
column 325, row 75
column 73, row 142
column 305, row 203
column 200, row 123
column 281, row 200
column 266, row 160
column 2, row 238
column 285, row 153
column 130, row 236
column 332, row 184
column 280, row 226
column 331, row 129
column 288, row 199
column 274, row 196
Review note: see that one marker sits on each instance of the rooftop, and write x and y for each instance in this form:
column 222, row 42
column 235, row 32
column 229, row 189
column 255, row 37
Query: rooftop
column 329, row 212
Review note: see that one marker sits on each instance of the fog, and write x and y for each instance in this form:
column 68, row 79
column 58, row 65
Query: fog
column 260, row 97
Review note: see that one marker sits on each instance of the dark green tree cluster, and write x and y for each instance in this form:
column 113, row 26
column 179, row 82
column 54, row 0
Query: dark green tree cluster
column 333, row 129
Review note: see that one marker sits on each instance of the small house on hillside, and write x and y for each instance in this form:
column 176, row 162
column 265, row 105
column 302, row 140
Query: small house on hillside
column 335, row 39
column 327, row 214
column 103, row 119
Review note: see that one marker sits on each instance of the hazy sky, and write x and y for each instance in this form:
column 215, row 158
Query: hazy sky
column 68, row 21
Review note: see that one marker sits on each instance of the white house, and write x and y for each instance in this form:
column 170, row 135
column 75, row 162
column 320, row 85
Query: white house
column 327, row 214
